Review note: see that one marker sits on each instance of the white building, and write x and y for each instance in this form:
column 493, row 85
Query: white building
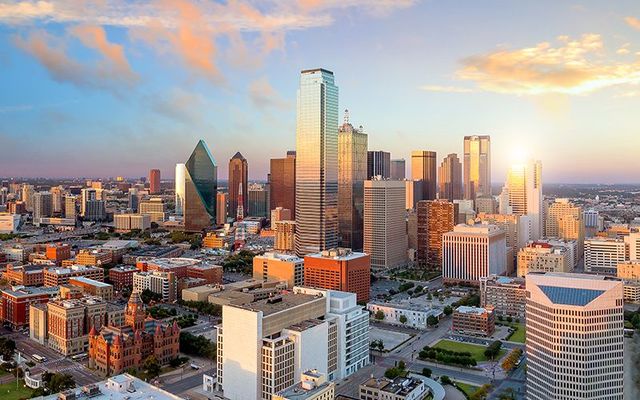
column 416, row 315
column 127, row 222
column 633, row 241
column 312, row 386
column 265, row 346
column 162, row 283
column 470, row 252
column 9, row 223
column 602, row 255
column 574, row 347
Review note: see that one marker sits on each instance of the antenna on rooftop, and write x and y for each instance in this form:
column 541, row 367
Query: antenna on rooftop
column 346, row 115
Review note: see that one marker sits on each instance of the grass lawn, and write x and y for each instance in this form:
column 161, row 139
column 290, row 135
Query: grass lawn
column 477, row 351
column 466, row 388
column 519, row 334
column 8, row 391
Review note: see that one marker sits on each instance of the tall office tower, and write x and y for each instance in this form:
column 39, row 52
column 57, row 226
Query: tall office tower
column 435, row 218
column 221, row 208
column 524, row 183
column 201, row 187
column 564, row 220
column 70, row 206
column 282, row 182
column 181, row 171
column 258, row 200
column 472, row 252
column 285, row 236
column 133, row 200
column 56, row 199
column 339, row 269
column 93, row 208
column 378, row 164
column 385, row 235
column 4, row 193
column 316, row 162
column 238, row 175
column 42, row 203
column 575, row 333
column 27, row 196
column 154, row 181
column 352, row 172
column 423, row 168
column 477, row 166
column 450, row 177
column 398, row 169
column 87, row 195
column 413, row 193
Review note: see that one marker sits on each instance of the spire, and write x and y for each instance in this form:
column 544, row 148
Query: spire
column 135, row 298
column 238, row 155
column 346, row 116
column 92, row 332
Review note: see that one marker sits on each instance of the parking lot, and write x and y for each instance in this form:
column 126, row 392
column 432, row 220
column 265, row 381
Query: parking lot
column 389, row 338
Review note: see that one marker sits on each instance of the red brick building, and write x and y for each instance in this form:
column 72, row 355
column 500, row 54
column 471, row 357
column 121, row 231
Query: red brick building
column 122, row 277
column 210, row 273
column 60, row 276
column 14, row 304
column 24, row 275
column 474, row 321
column 58, row 252
column 339, row 269
column 115, row 349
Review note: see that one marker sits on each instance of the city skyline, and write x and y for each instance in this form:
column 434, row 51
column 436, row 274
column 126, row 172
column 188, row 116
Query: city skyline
column 104, row 78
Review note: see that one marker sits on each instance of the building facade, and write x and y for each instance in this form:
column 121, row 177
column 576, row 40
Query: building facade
column 450, row 178
column 238, row 176
column 339, row 269
column 424, row 168
column 507, row 296
column 603, row 255
column 282, row 182
column 477, row 166
column 474, row 321
column 524, row 187
column 435, row 218
column 378, row 164
column 154, row 181
column 201, row 187
column 542, row 257
column 279, row 266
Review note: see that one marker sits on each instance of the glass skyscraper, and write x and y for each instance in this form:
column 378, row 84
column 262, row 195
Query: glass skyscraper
column 316, row 162
column 477, row 166
column 179, row 189
column 201, row 186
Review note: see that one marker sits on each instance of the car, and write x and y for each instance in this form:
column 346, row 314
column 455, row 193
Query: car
column 195, row 366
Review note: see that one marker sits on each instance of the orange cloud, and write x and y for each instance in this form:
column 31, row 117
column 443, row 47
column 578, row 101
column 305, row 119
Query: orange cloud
column 263, row 95
column 633, row 22
column 572, row 67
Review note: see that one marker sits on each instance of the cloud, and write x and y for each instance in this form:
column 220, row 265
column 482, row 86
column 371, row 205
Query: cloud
column 263, row 95
column 446, row 89
column 633, row 22
column 571, row 67
column 179, row 105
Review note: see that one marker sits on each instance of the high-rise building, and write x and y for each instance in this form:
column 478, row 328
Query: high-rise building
column 398, row 169
column 575, row 333
column 93, row 207
column 201, row 187
column 27, row 196
column 69, row 322
column 524, row 185
column 435, row 218
column 258, row 200
column 512, row 225
column 413, row 193
column 424, row 168
column 238, row 175
column 279, row 267
column 477, row 166
column 385, row 235
column 352, row 172
column 42, row 206
column 602, row 255
column 316, row 162
column 282, row 182
column 70, row 206
column 471, row 252
column 339, row 269
column 378, row 164
column 154, row 181
column 221, row 204
column 280, row 214
column 180, row 188
column 564, row 220
column 285, row 236
column 543, row 257
column 56, row 199
column 450, row 174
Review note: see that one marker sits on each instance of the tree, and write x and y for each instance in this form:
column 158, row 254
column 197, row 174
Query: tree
column 432, row 321
column 445, row 380
column 7, row 348
column 447, row 310
column 401, row 365
column 152, row 366
column 197, row 345
column 403, row 319
column 493, row 349
column 379, row 315
column 147, row 295
column 509, row 319
column 426, row 372
column 57, row 382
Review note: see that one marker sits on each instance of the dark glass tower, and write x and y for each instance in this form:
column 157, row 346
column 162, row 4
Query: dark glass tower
column 201, row 186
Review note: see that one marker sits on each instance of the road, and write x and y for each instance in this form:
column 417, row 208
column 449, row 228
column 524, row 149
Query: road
column 52, row 237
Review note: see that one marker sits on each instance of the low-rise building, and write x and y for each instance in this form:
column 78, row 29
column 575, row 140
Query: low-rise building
column 632, row 291
column 542, row 257
column 507, row 296
column 69, row 322
column 474, row 321
column 9, row 223
column 58, row 252
column 122, row 276
column 25, row 275
column 279, row 266
column 129, row 222
column 400, row 388
column 415, row 315
column 93, row 287
column 602, row 255
column 93, row 257
column 313, row 385
column 149, row 252
column 15, row 303
column 162, row 283
column 60, row 275
column 38, row 322
column 210, row 273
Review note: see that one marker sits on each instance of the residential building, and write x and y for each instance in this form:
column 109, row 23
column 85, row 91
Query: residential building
column 423, row 168
column 70, row 206
column 542, row 257
column 313, row 385
column 435, row 218
column 122, row 276
column 162, row 283
column 603, row 255
column 574, row 346
column 57, row 276
column 42, row 206
column 15, row 302
column 400, row 388
column 154, row 181
column 27, row 196
column 113, row 350
column 507, row 296
column 69, row 322
column 238, row 176
column 129, row 222
column 24, row 275
column 282, row 183
column 180, row 189
column 316, row 191
column 279, row 266
column 339, row 269
column 155, row 208
column 450, row 178
column 285, row 236
column 524, row 187
column 398, row 169
column 93, row 287
column 477, row 166
column 385, row 236
column 474, row 321
column 352, row 172
column 471, row 252
column 201, row 187
column 378, row 164
column 416, row 315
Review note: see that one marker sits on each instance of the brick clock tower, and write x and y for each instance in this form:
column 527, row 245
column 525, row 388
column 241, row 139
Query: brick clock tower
column 135, row 314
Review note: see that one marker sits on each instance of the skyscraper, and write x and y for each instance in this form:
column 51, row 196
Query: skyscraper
column 398, row 169
column 524, row 185
column 258, row 199
column 27, row 196
column 201, row 186
column 70, row 206
column 435, row 218
column 477, row 166
column 575, row 334
column 42, row 203
column 282, row 182
column 450, row 174
column 423, row 168
column 352, row 172
column 221, row 210
column 154, row 181
column 56, row 199
column 180, row 189
column 378, row 164
column 238, row 175
column 316, row 162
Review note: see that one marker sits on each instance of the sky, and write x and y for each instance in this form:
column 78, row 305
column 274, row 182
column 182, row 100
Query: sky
column 105, row 88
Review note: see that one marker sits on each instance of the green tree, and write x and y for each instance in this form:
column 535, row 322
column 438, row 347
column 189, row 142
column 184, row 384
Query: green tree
column 152, row 366
column 197, row 345
column 379, row 315
column 447, row 310
column 493, row 349
column 7, row 348
column 403, row 319
column 426, row 372
column 432, row 321
column 57, row 382
column 445, row 380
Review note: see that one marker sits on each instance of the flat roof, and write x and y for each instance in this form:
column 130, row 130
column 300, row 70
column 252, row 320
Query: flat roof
column 90, row 281
column 299, row 392
column 119, row 387
column 471, row 310
column 279, row 303
column 312, row 70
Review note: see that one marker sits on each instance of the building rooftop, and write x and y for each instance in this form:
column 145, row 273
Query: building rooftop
column 304, row 390
column 124, row 268
column 120, row 244
column 71, row 269
column 91, row 282
column 304, row 325
column 279, row 303
column 79, row 302
column 153, row 251
column 281, row 256
column 119, row 387
column 176, row 262
column 471, row 310
column 399, row 386
column 570, row 296
column 28, row 291
column 340, row 253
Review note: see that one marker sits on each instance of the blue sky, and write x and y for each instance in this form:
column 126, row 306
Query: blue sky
column 106, row 88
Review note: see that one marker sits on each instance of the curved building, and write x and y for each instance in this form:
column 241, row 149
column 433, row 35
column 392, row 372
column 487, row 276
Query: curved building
column 201, row 186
